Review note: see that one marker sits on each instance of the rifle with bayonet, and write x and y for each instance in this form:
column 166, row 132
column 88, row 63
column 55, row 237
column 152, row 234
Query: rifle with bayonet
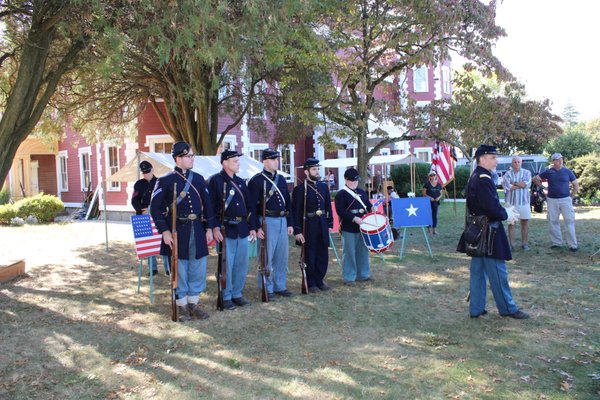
column 264, row 271
column 302, row 261
column 222, row 256
column 174, row 255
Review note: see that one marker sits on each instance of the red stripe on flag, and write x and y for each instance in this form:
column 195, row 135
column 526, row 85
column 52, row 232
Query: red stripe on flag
column 442, row 163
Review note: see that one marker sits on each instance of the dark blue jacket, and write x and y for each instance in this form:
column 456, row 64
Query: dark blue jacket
column 195, row 201
column 142, row 193
column 317, row 198
column 275, row 202
column 347, row 207
column 238, row 209
column 482, row 199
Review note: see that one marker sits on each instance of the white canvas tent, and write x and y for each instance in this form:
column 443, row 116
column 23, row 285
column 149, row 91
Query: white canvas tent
column 393, row 159
column 203, row 165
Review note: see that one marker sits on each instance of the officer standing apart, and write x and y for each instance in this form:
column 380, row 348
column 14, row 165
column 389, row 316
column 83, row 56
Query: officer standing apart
column 140, row 200
column 482, row 199
column 351, row 204
column 193, row 205
column 318, row 219
column 227, row 187
column 278, row 221
column 516, row 183
column 560, row 200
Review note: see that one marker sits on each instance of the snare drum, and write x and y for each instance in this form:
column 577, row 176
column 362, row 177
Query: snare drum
column 376, row 232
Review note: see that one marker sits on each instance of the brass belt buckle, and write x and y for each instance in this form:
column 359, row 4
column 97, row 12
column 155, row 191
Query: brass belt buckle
column 282, row 213
column 319, row 213
column 192, row 217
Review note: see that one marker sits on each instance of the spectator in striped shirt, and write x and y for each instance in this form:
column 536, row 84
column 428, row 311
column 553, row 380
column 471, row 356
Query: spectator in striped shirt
column 516, row 183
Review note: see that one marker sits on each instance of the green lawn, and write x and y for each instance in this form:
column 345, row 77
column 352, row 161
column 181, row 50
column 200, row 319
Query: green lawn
column 77, row 330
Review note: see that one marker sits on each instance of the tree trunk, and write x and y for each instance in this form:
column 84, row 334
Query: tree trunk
column 16, row 123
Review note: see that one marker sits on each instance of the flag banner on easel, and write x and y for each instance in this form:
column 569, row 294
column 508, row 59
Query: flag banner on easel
column 147, row 238
column 415, row 211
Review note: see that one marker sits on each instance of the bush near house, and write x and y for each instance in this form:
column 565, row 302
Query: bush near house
column 401, row 178
column 42, row 206
column 4, row 196
column 7, row 212
column 587, row 170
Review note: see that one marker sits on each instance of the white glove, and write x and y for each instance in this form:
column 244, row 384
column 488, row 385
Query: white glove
column 513, row 215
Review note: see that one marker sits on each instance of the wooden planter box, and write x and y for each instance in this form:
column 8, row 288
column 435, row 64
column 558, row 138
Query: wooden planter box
column 11, row 270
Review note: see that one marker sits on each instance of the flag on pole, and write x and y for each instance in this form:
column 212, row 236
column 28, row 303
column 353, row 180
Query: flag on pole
column 147, row 238
column 442, row 163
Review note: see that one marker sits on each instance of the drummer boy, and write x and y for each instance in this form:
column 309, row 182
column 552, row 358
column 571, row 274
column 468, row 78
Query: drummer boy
column 351, row 204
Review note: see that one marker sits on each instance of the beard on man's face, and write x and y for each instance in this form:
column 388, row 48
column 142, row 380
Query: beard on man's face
column 314, row 177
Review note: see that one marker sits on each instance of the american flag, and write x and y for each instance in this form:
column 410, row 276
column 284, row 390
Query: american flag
column 147, row 238
column 442, row 163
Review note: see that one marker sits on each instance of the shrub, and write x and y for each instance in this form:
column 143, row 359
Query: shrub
column 7, row 212
column 401, row 178
column 587, row 170
column 4, row 196
column 42, row 206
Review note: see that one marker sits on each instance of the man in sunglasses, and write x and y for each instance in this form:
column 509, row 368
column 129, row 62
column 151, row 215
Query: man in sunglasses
column 194, row 209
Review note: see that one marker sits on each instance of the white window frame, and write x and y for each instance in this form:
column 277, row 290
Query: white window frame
column 112, row 186
column 231, row 141
column 256, row 147
column 152, row 140
column 421, row 83
column 423, row 150
column 291, row 172
column 63, row 155
column 446, row 80
column 85, row 151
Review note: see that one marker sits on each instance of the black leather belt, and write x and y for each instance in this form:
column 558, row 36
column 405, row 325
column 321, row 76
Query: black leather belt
column 317, row 213
column 234, row 220
column 357, row 211
column 274, row 213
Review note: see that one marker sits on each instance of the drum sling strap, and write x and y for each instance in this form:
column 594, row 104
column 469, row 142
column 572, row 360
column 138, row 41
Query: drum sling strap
column 356, row 197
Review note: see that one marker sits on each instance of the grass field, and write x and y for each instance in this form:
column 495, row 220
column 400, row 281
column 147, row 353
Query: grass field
column 75, row 328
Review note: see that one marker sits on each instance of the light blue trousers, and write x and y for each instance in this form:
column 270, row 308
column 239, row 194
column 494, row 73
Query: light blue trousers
column 355, row 258
column 495, row 270
column 277, row 254
column 237, row 267
column 191, row 276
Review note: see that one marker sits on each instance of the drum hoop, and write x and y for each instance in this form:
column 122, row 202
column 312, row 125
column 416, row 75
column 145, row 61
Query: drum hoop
column 381, row 228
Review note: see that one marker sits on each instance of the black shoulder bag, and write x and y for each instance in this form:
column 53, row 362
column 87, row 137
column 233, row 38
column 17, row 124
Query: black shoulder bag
column 475, row 233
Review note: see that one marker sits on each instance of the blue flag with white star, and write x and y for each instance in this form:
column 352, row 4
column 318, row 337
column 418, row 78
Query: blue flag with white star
column 411, row 211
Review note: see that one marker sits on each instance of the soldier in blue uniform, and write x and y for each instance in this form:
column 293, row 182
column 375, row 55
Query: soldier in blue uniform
column 482, row 199
column 311, row 208
column 140, row 200
column 351, row 204
column 194, row 209
column 278, row 221
column 230, row 191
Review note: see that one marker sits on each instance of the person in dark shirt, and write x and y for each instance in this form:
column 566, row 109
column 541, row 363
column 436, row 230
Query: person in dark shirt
column 194, row 221
column 433, row 189
column 562, row 188
column 140, row 200
column 352, row 204
column 482, row 199
column 229, row 191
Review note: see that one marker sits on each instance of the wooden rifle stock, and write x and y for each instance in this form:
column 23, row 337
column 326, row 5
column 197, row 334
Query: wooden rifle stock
column 222, row 256
column 174, row 255
column 302, row 262
column 263, row 249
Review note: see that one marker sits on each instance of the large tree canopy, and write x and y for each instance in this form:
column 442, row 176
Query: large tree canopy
column 204, row 59
column 41, row 43
column 485, row 110
column 372, row 45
